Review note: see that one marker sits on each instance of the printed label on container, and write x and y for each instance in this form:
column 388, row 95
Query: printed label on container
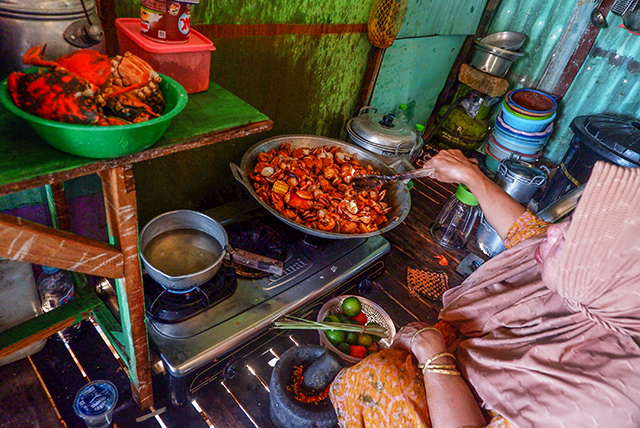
column 167, row 22
column 96, row 399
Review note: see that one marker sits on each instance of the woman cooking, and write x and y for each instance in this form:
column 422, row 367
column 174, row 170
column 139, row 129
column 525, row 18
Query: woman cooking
column 543, row 335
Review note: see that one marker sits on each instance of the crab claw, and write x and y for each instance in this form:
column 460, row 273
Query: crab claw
column 34, row 56
column 87, row 64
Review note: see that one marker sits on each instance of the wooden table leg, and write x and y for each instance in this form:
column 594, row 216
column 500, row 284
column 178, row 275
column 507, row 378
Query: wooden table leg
column 122, row 219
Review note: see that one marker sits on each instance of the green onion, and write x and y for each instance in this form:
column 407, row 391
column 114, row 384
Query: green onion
column 294, row 323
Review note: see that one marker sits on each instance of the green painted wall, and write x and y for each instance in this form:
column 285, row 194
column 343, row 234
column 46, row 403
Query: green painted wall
column 307, row 84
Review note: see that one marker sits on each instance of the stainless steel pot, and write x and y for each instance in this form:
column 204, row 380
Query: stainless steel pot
column 487, row 239
column 382, row 134
column 63, row 26
column 493, row 60
column 520, row 179
column 397, row 196
column 187, row 219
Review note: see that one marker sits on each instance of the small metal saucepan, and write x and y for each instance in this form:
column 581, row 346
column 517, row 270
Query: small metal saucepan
column 189, row 248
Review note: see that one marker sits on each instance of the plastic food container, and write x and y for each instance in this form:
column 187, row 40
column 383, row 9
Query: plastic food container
column 95, row 403
column 517, row 144
column 527, row 125
column 188, row 63
column 502, row 152
column 165, row 21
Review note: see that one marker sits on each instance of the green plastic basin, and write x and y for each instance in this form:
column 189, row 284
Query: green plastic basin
column 103, row 142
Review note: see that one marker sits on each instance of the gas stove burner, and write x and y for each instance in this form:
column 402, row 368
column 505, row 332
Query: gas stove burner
column 257, row 238
column 317, row 241
column 172, row 306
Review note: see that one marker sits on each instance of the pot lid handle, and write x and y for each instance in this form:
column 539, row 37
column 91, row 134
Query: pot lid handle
column 387, row 121
column 367, row 108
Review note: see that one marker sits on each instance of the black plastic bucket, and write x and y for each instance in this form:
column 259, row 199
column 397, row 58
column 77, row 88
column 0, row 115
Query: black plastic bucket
column 613, row 139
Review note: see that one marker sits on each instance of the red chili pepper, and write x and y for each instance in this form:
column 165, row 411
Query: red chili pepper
column 358, row 351
column 373, row 347
column 442, row 260
column 361, row 318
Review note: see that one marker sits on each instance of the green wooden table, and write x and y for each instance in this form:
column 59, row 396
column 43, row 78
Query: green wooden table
column 26, row 162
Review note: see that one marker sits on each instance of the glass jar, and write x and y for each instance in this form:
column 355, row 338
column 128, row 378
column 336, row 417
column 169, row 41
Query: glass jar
column 455, row 221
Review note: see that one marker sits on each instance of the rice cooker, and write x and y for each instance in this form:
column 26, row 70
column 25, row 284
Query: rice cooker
column 63, row 26
column 384, row 135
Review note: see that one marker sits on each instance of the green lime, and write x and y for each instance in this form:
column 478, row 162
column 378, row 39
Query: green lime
column 335, row 336
column 331, row 318
column 364, row 340
column 344, row 319
column 351, row 306
column 369, row 352
column 352, row 338
column 344, row 348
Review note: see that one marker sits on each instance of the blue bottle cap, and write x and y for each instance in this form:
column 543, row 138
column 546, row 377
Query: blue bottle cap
column 95, row 399
column 49, row 269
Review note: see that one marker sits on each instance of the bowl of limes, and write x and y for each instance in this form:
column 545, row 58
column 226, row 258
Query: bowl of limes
column 351, row 346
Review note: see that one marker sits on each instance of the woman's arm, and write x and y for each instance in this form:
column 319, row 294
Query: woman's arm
column 498, row 207
column 451, row 403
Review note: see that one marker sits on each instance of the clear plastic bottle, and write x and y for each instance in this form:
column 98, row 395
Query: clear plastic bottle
column 55, row 288
column 401, row 113
column 455, row 221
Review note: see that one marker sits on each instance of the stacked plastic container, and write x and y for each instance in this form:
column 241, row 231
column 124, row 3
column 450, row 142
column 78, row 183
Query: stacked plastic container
column 523, row 127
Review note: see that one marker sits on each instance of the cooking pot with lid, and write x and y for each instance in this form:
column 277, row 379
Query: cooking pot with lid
column 520, row 179
column 383, row 134
column 63, row 26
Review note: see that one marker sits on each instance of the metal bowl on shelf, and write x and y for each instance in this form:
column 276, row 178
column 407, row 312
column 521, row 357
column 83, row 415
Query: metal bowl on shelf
column 493, row 60
column 508, row 40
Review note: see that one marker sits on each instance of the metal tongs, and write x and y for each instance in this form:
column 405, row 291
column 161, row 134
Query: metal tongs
column 367, row 182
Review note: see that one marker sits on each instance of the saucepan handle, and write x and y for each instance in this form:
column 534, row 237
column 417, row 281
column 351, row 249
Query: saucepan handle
column 254, row 261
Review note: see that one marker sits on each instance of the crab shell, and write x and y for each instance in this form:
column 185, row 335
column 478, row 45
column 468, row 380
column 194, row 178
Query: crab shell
column 55, row 95
column 85, row 64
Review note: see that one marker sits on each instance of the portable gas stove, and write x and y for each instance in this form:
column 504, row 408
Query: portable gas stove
column 193, row 332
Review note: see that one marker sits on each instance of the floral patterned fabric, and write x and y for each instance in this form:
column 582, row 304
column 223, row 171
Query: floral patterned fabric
column 386, row 389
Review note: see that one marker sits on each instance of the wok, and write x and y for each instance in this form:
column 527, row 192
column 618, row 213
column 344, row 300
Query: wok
column 397, row 196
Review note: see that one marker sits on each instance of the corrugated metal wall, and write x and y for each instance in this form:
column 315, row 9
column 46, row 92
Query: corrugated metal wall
column 607, row 82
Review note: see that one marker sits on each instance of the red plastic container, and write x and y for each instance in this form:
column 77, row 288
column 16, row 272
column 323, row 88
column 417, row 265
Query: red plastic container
column 189, row 63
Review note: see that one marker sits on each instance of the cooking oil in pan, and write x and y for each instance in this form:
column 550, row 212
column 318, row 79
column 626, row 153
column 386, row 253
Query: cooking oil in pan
column 182, row 251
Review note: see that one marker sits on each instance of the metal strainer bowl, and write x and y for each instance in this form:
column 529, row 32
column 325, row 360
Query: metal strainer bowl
column 374, row 313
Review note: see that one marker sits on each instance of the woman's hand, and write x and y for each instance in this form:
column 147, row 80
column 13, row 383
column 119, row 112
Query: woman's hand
column 499, row 209
column 452, row 166
column 425, row 345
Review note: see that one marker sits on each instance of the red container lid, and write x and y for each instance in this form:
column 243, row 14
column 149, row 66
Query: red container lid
column 196, row 43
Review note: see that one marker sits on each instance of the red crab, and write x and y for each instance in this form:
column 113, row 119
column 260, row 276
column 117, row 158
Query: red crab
column 132, row 92
column 84, row 87
column 66, row 91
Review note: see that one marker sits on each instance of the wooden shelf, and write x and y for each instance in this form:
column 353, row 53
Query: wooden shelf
column 28, row 162
column 209, row 117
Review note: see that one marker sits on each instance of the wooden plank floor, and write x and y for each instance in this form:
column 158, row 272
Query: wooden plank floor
column 38, row 391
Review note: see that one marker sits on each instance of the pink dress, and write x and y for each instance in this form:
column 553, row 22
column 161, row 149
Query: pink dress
column 386, row 389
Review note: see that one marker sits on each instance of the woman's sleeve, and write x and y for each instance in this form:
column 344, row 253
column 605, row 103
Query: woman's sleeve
column 526, row 226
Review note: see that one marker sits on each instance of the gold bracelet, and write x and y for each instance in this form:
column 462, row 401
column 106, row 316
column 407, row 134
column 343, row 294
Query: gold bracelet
column 418, row 332
column 449, row 369
column 438, row 366
column 441, row 371
column 441, row 354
